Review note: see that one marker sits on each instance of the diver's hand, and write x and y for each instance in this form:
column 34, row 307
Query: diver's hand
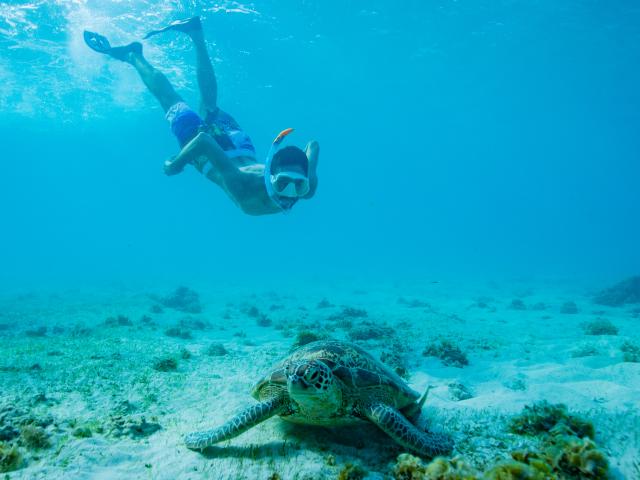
column 172, row 167
column 313, row 152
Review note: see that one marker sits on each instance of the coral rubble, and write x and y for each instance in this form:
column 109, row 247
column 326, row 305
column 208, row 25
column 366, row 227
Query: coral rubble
column 324, row 303
column 569, row 308
column 165, row 364
column 37, row 332
column 118, row 321
column 217, row 350
column 631, row 352
column 448, row 352
column 600, row 326
column 622, row 293
column 133, row 427
column 178, row 332
column 517, row 304
column 183, row 299
column 349, row 312
column 370, row 331
column 458, row 392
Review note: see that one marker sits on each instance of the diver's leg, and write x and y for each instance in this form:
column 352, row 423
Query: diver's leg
column 204, row 68
column 205, row 73
column 155, row 81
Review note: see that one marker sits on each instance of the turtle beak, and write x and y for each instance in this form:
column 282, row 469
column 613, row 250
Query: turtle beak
column 297, row 386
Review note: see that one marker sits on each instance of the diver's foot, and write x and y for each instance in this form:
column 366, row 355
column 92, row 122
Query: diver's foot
column 189, row 26
column 99, row 43
column 124, row 53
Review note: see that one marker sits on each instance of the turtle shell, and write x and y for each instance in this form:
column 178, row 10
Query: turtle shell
column 363, row 378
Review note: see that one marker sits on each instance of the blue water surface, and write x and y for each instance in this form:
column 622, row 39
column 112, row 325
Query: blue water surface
column 468, row 139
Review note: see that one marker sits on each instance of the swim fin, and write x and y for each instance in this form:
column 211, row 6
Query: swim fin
column 185, row 26
column 100, row 44
column 97, row 42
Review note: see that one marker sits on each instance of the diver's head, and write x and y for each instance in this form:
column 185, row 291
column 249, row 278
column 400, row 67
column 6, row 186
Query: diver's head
column 290, row 172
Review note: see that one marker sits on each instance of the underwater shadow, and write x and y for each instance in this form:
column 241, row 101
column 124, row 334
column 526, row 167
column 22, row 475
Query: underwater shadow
column 253, row 451
column 298, row 438
column 355, row 436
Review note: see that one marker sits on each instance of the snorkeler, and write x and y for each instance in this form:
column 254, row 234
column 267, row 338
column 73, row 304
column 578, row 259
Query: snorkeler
column 213, row 142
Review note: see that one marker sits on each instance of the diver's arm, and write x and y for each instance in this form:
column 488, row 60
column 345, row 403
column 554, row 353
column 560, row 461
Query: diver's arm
column 239, row 183
column 202, row 145
column 313, row 152
column 188, row 153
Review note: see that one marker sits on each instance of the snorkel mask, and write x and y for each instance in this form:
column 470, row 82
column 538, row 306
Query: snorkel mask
column 285, row 187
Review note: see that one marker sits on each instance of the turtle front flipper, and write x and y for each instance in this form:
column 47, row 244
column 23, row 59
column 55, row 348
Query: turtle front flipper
column 428, row 444
column 240, row 423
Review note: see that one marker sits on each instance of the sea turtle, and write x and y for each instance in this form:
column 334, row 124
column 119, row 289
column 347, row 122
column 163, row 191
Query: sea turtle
column 332, row 383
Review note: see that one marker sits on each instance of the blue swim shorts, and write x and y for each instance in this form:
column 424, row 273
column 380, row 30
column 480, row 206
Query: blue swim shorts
column 186, row 123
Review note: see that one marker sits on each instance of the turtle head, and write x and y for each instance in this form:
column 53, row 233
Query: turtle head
column 312, row 385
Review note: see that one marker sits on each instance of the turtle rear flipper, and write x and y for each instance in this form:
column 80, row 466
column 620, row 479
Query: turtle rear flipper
column 240, row 423
column 428, row 444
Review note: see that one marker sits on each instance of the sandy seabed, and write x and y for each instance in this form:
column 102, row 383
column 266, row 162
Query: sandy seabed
column 85, row 371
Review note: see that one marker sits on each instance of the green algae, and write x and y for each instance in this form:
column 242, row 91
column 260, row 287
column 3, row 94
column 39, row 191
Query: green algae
column 82, row 432
column 304, row 337
column 541, row 417
column 166, row 364
column 567, row 451
column 512, row 470
column 352, row 472
column 10, row 458
column 34, row 437
column 409, row 467
column 449, row 353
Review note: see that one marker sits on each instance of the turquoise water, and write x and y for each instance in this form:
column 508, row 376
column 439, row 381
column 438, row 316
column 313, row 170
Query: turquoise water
column 463, row 138
column 478, row 186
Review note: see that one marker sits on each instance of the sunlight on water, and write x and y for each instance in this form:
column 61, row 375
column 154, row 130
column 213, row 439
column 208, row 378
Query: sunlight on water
column 47, row 36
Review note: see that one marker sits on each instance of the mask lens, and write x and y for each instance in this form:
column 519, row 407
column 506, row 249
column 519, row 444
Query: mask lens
column 302, row 187
column 281, row 183
column 284, row 182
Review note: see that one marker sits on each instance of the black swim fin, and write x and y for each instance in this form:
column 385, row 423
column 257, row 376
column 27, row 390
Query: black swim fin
column 100, row 44
column 185, row 26
column 97, row 42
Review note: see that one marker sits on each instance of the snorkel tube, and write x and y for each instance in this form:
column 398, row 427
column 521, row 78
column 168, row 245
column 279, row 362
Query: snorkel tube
column 285, row 203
